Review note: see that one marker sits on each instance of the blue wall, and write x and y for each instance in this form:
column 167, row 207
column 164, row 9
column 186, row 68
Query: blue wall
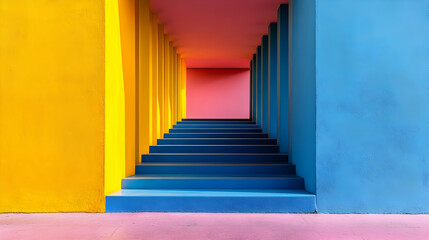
column 272, row 78
column 265, row 89
column 372, row 61
column 303, row 95
column 283, row 77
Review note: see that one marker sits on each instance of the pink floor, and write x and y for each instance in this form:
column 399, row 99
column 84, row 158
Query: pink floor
column 191, row 226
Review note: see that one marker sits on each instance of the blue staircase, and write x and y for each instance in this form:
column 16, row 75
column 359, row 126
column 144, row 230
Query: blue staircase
column 207, row 165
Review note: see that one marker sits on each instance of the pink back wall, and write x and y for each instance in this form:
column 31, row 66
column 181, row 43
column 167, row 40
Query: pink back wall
column 218, row 93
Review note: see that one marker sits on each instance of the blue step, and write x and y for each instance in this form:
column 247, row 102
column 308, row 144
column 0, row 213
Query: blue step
column 214, row 157
column 237, row 200
column 216, row 122
column 213, row 165
column 184, row 181
column 214, row 149
column 215, row 135
column 217, row 126
column 215, row 168
column 216, row 141
column 215, row 130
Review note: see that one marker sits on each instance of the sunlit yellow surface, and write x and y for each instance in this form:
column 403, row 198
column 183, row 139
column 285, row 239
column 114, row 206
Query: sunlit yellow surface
column 51, row 106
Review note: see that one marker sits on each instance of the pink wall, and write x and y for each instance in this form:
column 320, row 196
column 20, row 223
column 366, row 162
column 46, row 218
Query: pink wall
column 218, row 92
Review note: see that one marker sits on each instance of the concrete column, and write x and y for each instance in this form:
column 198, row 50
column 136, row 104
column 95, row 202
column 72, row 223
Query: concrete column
column 254, row 82
column 283, row 77
column 265, row 88
column 251, row 90
column 272, row 79
column 302, row 90
column 258, row 86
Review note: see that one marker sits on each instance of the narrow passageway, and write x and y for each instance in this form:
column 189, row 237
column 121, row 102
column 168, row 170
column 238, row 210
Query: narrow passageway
column 216, row 138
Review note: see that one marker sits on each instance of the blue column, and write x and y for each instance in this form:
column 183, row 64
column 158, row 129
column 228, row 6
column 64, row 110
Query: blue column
column 272, row 78
column 283, row 77
column 302, row 113
column 251, row 90
column 254, row 87
column 265, row 88
column 258, row 87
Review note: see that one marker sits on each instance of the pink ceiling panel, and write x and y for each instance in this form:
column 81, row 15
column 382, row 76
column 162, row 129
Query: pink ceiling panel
column 216, row 33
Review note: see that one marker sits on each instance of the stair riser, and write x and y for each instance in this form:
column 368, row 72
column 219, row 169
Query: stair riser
column 213, row 149
column 213, row 183
column 216, row 126
column 218, row 122
column 215, row 130
column 214, row 141
column 218, row 158
column 215, row 169
column 305, row 204
column 215, row 135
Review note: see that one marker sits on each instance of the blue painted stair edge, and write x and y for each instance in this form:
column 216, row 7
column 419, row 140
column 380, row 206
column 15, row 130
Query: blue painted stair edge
column 215, row 135
column 214, row 149
column 212, row 181
column 213, row 201
column 217, row 141
column 215, row 157
column 215, row 168
column 216, row 126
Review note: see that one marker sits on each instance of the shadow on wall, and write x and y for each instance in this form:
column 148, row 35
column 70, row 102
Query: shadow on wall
column 218, row 93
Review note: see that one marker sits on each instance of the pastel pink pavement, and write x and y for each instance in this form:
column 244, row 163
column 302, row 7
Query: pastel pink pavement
column 196, row 226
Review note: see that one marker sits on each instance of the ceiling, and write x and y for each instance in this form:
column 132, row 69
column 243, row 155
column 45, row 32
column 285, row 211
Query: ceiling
column 216, row 33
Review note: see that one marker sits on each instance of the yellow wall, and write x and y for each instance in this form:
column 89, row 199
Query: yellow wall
column 86, row 87
column 51, row 106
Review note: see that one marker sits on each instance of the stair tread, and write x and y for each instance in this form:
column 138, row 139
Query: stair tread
column 218, row 145
column 214, row 192
column 211, row 176
column 211, row 164
column 220, row 138
column 216, row 119
column 218, row 128
column 237, row 133
column 284, row 154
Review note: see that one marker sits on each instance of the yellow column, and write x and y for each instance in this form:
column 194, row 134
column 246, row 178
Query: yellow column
column 171, row 69
column 167, row 84
column 153, row 92
column 179, row 88
column 174, row 85
column 114, row 102
column 183, row 86
column 161, row 102
column 127, row 20
column 144, row 75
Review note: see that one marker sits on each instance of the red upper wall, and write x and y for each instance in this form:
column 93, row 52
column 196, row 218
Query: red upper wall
column 218, row 93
